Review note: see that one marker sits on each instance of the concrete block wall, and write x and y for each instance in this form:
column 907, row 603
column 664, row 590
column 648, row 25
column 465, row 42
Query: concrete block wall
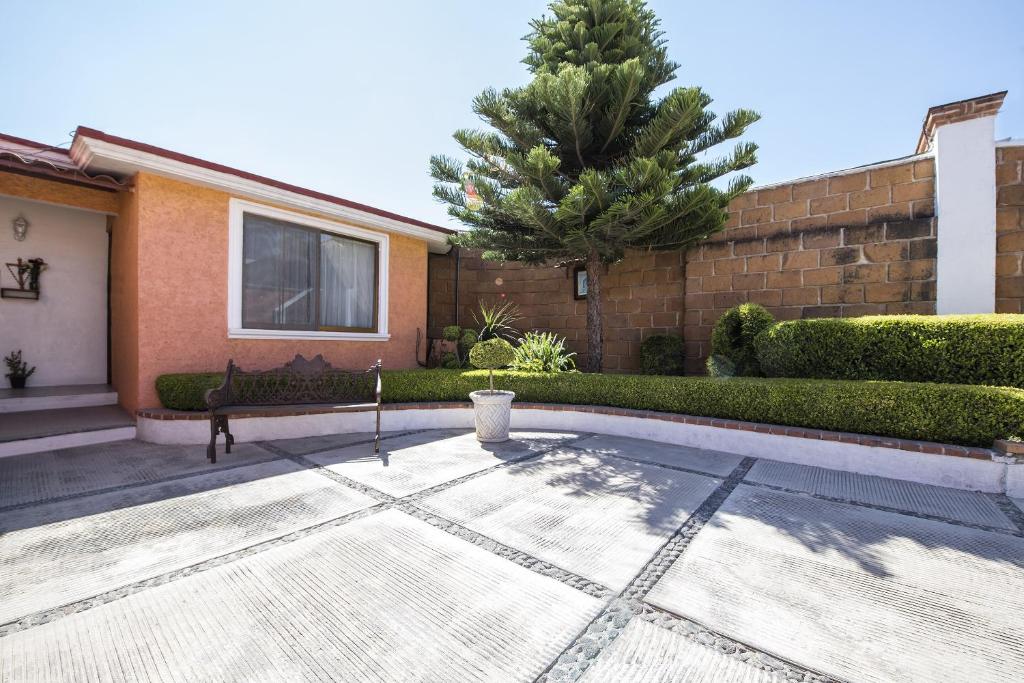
column 643, row 295
column 864, row 241
column 861, row 242
column 1010, row 229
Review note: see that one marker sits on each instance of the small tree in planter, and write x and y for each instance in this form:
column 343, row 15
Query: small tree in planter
column 492, row 409
column 17, row 370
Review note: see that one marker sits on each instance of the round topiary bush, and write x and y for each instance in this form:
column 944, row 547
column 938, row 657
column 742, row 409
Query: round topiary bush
column 451, row 333
column 733, row 337
column 662, row 354
column 491, row 355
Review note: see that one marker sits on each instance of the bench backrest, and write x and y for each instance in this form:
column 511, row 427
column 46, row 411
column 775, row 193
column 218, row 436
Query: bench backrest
column 298, row 381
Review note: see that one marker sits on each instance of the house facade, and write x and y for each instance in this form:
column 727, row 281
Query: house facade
column 159, row 262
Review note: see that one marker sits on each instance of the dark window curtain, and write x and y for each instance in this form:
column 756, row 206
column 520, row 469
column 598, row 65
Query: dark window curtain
column 296, row 278
column 278, row 275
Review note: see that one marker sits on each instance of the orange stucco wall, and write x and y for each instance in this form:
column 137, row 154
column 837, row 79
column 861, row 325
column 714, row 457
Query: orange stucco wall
column 124, row 300
column 18, row 185
column 180, row 308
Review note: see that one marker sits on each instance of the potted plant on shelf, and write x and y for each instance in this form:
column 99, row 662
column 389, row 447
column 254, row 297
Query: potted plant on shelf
column 17, row 370
column 491, row 409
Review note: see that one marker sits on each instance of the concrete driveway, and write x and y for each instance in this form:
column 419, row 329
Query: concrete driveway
column 554, row 556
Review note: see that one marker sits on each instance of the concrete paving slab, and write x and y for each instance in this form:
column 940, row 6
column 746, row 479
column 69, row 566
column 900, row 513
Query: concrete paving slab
column 964, row 506
column 41, row 476
column 860, row 594
column 384, row 598
column 645, row 652
column 597, row 516
column 58, row 553
column 313, row 444
column 415, row 462
column 712, row 462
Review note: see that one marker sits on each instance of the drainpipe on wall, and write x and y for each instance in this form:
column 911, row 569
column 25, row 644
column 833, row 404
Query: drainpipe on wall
column 962, row 135
column 458, row 266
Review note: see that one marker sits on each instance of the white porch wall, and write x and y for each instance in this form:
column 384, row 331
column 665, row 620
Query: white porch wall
column 64, row 333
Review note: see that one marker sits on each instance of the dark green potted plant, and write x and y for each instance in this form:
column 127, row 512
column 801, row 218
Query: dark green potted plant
column 18, row 371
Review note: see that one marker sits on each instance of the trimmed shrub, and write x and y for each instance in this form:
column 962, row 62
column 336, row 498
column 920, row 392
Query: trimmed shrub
column 662, row 354
column 451, row 333
column 542, row 352
column 948, row 413
column 187, row 391
column 958, row 349
column 961, row 414
column 733, row 337
column 492, row 354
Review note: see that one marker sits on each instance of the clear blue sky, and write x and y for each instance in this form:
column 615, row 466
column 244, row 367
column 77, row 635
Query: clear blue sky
column 352, row 98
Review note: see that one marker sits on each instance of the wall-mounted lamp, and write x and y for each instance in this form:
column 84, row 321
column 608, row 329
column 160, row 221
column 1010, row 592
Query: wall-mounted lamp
column 20, row 225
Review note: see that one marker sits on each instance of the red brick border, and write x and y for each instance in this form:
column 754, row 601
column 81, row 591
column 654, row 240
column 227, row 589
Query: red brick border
column 779, row 430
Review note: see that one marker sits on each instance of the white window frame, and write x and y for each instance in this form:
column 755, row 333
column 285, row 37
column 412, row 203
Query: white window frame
column 237, row 208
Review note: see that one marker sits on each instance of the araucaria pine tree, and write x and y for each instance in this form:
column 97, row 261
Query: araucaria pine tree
column 584, row 163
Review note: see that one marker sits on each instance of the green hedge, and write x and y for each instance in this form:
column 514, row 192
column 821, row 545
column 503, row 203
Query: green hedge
column 958, row 349
column 962, row 414
column 187, row 391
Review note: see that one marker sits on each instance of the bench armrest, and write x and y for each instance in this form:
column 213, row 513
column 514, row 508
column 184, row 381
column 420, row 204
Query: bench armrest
column 221, row 396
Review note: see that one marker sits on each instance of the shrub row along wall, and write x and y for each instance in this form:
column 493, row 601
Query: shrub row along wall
column 946, row 413
column 1010, row 229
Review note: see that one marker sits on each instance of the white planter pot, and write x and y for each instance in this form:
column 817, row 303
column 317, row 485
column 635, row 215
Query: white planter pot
column 492, row 411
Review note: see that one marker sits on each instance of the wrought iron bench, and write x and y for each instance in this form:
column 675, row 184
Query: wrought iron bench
column 298, row 383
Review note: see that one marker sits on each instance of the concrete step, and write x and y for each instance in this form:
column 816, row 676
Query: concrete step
column 55, row 398
column 37, row 431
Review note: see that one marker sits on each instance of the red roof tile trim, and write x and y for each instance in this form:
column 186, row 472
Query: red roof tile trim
column 186, row 159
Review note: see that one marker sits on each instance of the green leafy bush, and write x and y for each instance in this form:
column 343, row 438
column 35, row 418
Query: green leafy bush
column 542, row 352
column 451, row 333
column 450, row 360
column 187, row 391
column 960, row 349
column 492, row 354
column 733, row 337
column 662, row 354
column 720, row 366
column 962, row 414
column 496, row 320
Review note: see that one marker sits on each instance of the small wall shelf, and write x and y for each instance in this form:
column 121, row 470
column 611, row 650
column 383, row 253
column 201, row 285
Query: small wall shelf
column 14, row 293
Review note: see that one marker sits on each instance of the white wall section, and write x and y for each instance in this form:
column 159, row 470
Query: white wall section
column 64, row 333
column 965, row 176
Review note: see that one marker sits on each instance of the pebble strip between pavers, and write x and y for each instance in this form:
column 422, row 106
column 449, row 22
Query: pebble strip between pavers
column 609, row 624
column 407, row 505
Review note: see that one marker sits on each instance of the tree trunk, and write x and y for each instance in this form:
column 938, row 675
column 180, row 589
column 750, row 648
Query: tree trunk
column 595, row 327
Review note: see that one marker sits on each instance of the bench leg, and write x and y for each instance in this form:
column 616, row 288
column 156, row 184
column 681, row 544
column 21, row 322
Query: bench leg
column 229, row 440
column 211, row 450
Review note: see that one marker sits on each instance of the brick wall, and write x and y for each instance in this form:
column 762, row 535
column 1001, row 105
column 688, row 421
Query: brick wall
column 643, row 295
column 1010, row 229
column 851, row 244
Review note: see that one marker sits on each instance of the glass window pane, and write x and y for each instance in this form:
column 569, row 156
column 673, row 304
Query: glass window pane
column 277, row 274
column 348, row 282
